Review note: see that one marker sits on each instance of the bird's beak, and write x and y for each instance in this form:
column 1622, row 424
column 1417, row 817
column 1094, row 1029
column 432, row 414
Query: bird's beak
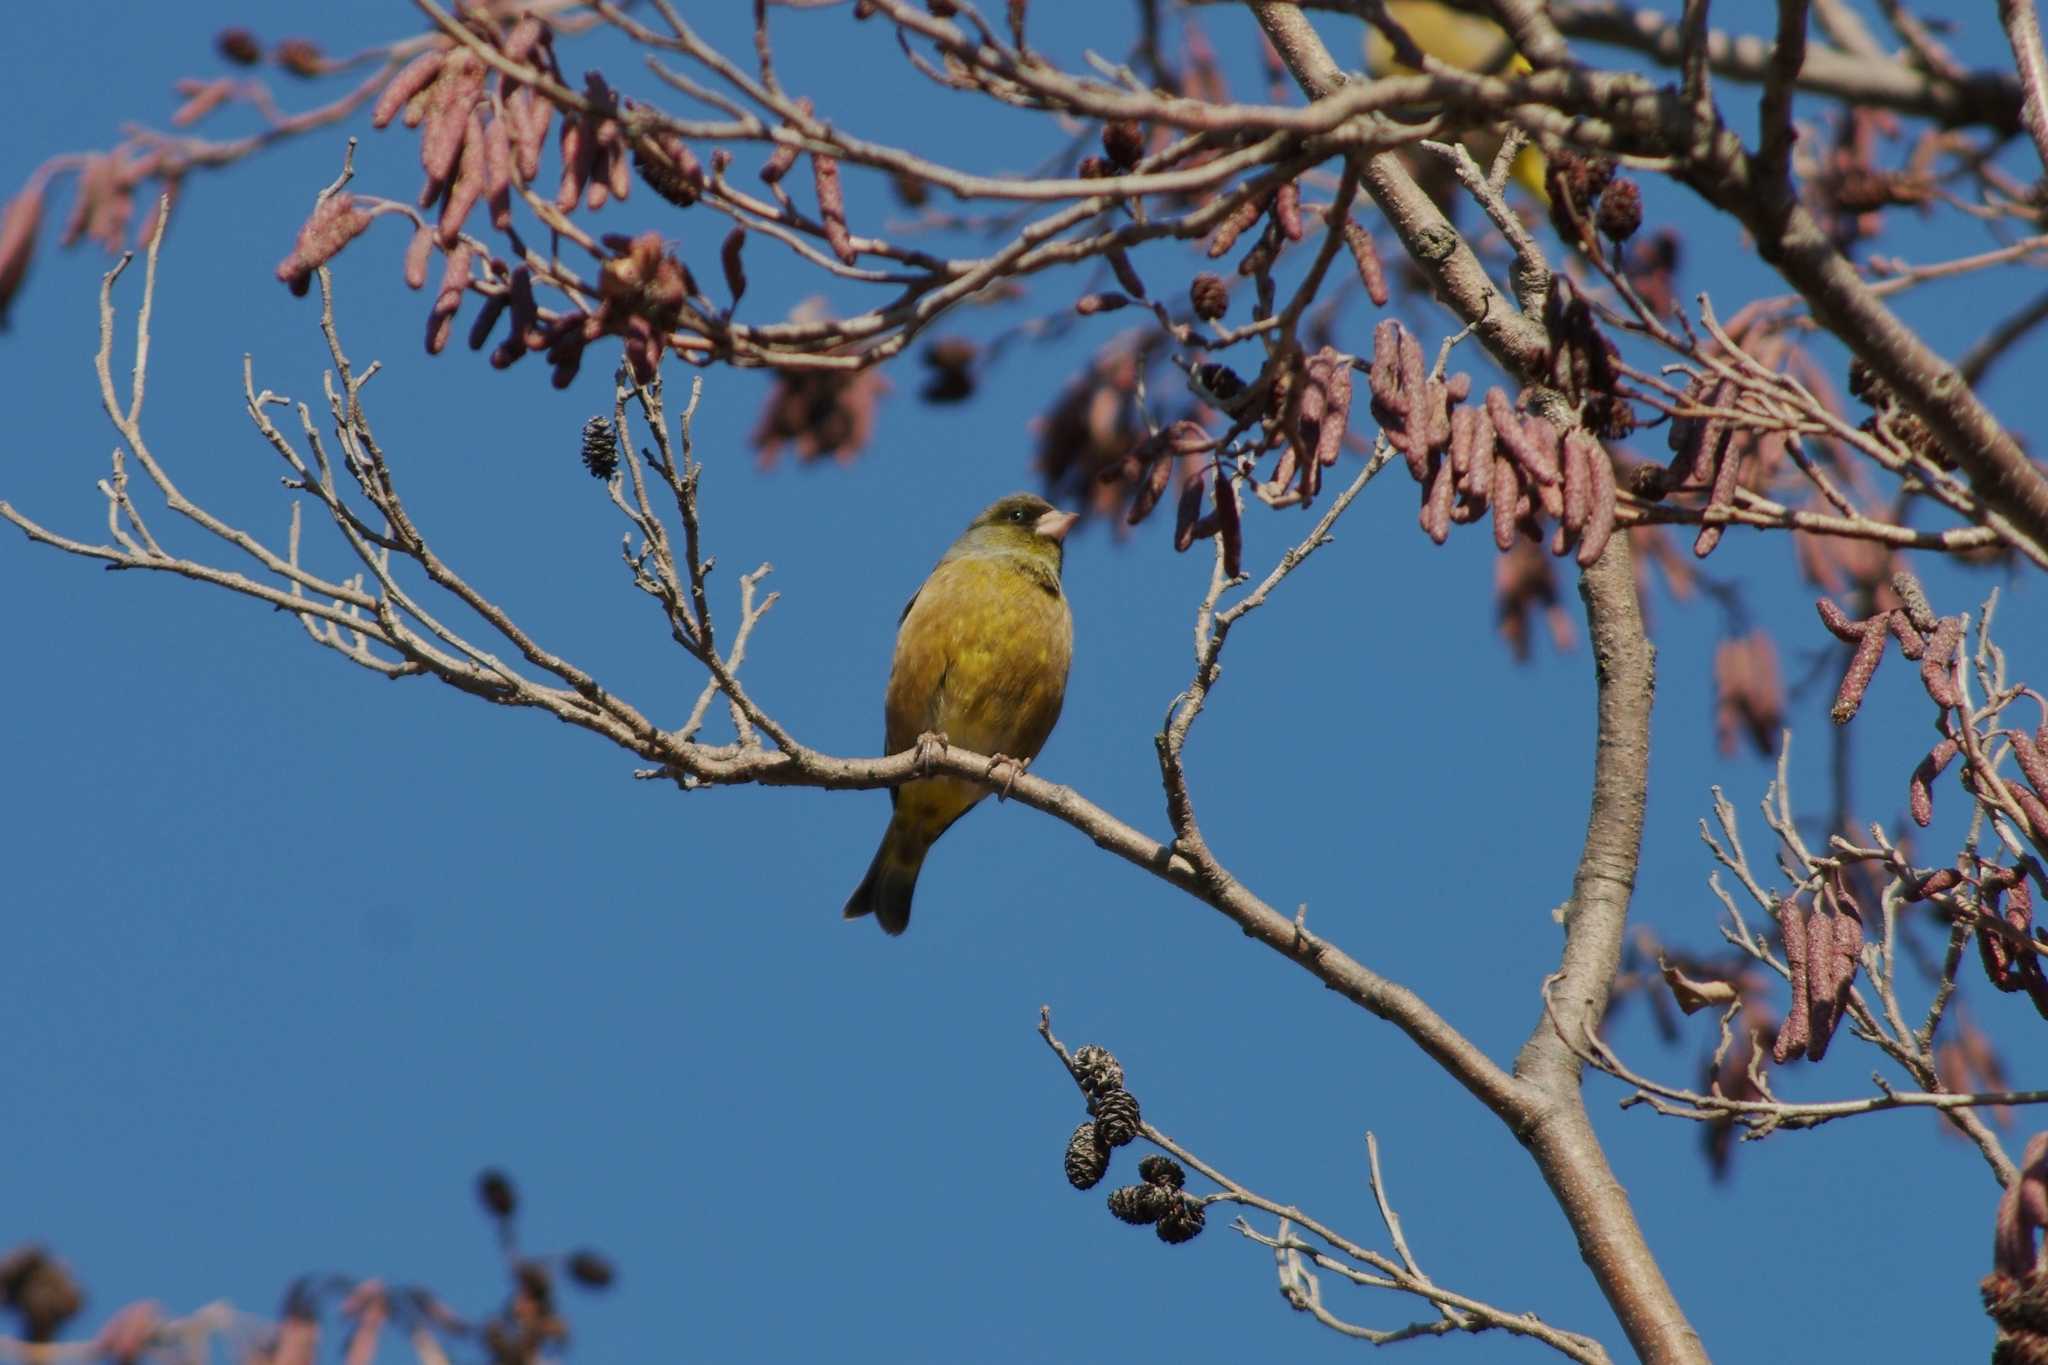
column 1055, row 525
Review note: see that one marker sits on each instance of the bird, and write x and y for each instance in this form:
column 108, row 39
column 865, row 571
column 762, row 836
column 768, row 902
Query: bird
column 982, row 651
column 1469, row 43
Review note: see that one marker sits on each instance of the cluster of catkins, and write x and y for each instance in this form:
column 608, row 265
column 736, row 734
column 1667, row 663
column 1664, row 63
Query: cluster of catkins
column 1927, row 639
column 1471, row 460
column 1113, row 1122
column 2016, row 1291
column 2002, row 892
column 476, row 144
column 1822, row 948
column 530, row 1325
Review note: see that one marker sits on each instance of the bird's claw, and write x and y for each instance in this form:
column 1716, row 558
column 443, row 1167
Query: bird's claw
column 1016, row 767
column 930, row 745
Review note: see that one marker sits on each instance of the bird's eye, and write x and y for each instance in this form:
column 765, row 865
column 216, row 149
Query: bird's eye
column 1017, row 515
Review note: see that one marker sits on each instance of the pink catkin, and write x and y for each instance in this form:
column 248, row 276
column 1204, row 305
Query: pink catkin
column 1862, row 668
column 1436, row 501
column 1911, row 643
column 1232, row 227
column 832, row 208
column 1366, row 257
column 1578, row 482
column 418, row 252
column 336, row 222
column 1287, row 210
column 577, row 149
column 1186, row 513
column 19, row 224
column 1507, row 494
column 415, row 76
column 1797, row 1030
column 1600, row 516
column 729, row 260
column 1337, row 385
column 1920, row 791
column 469, row 186
column 1542, row 437
column 1936, row 661
column 524, row 37
column 530, row 115
column 1838, row 624
column 453, row 100
column 1726, row 472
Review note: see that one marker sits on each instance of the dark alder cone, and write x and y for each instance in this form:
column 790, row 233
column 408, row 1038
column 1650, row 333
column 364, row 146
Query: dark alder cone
column 680, row 179
column 535, row 1284
column 1181, row 1222
column 494, row 1189
column 910, row 190
column 2020, row 1308
column 1887, row 417
column 951, row 361
column 1087, row 1159
column 1162, row 1170
column 1574, row 182
column 41, row 1291
column 1116, row 1117
column 1124, row 142
column 1094, row 168
column 819, row 413
column 1210, row 296
column 1097, row 1069
column 239, row 46
column 592, row 1270
column 600, row 457
column 1621, row 211
column 1140, row 1204
column 301, row 57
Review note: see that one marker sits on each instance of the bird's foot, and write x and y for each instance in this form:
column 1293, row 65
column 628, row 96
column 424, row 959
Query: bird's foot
column 930, row 745
column 1016, row 767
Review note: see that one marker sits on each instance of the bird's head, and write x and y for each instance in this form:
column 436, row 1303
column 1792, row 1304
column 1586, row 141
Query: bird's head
column 1020, row 524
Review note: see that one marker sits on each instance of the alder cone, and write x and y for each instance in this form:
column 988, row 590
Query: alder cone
column 1116, row 1117
column 1181, row 1222
column 1097, row 1069
column 1087, row 1158
column 1140, row 1204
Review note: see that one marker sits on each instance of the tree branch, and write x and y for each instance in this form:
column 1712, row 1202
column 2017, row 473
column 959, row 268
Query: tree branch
column 1556, row 1129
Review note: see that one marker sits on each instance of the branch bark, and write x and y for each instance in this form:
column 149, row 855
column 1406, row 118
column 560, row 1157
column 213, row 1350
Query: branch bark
column 1558, row 1133
column 1512, row 337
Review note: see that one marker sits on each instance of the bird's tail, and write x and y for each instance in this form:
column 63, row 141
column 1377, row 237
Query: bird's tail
column 892, row 878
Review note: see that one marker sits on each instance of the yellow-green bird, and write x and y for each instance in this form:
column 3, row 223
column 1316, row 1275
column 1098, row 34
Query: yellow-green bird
column 981, row 658
column 1468, row 42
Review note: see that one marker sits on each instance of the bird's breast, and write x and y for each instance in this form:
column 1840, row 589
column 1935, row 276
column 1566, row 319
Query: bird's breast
column 982, row 656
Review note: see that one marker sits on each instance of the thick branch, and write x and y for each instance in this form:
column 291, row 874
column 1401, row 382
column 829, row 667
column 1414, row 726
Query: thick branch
column 1559, row 1135
column 1516, row 340
column 1991, row 98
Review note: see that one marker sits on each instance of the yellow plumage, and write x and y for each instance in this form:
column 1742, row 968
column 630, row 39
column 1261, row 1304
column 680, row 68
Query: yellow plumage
column 981, row 657
column 1469, row 43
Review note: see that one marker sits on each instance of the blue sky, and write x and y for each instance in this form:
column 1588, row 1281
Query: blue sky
column 295, row 951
